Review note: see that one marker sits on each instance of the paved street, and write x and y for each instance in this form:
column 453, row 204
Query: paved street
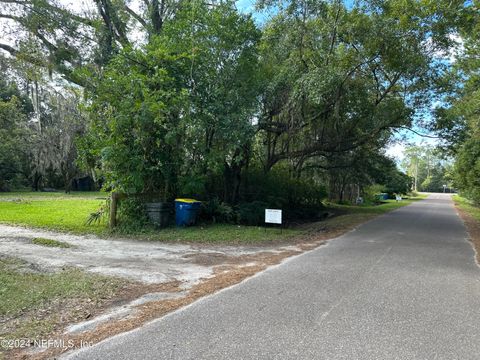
column 404, row 286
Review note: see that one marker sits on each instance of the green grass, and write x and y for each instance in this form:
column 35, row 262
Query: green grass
column 69, row 212
column 467, row 206
column 31, row 302
column 233, row 234
column 55, row 211
column 51, row 243
column 38, row 195
column 385, row 206
column 350, row 216
column 220, row 234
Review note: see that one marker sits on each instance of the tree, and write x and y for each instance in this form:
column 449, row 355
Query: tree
column 50, row 34
column 14, row 136
column 137, row 113
column 223, row 87
column 429, row 168
column 190, row 93
column 54, row 148
column 457, row 120
column 351, row 174
column 467, row 169
column 340, row 79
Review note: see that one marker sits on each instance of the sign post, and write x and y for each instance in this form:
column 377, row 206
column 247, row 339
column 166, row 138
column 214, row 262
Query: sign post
column 273, row 216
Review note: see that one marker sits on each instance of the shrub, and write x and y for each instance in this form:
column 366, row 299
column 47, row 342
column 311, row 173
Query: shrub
column 217, row 211
column 131, row 215
column 279, row 189
column 251, row 213
column 370, row 193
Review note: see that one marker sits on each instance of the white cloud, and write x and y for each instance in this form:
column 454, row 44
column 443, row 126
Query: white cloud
column 396, row 151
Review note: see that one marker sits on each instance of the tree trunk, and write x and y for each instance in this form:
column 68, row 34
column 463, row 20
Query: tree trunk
column 36, row 181
column 113, row 210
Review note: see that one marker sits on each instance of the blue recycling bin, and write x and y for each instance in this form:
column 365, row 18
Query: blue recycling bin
column 382, row 196
column 186, row 211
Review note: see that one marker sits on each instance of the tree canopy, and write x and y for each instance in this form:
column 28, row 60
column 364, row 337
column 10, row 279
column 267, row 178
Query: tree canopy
column 194, row 98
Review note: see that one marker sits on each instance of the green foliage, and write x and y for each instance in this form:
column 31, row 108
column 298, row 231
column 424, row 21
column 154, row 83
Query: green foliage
column 278, row 188
column 223, row 84
column 100, row 215
column 468, row 205
column 428, row 168
column 132, row 215
column 37, row 149
column 338, row 79
column 191, row 185
column 14, row 135
column 371, row 193
column 209, row 105
column 217, row 211
column 169, row 112
column 137, row 112
column 353, row 174
column 467, row 169
column 458, row 121
column 252, row 213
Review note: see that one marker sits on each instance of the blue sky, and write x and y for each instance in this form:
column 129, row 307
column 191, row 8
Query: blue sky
column 246, row 5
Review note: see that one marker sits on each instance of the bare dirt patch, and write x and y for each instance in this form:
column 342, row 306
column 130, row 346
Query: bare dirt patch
column 227, row 266
column 224, row 276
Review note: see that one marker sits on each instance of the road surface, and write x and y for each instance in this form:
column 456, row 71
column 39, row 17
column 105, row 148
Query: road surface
column 403, row 286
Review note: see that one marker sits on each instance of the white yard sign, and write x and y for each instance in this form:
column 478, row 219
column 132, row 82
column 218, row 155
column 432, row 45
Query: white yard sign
column 273, row 216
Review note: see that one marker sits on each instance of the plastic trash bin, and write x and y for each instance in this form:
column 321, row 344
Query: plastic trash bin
column 186, row 211
column 159, row 213
column 382, row 196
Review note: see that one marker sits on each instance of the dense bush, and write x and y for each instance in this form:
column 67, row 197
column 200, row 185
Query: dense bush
column 467, row 169
column 252, row 213
column 132, row 215
column 217, row 211
column 279, row 189
column 371, row 193
column 298, row 198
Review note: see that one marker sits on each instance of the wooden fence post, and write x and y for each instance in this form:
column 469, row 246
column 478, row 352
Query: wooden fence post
column 113, row 210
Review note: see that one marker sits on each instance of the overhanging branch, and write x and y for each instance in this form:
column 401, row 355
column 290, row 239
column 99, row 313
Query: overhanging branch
column 418, row 133
column 9, row 49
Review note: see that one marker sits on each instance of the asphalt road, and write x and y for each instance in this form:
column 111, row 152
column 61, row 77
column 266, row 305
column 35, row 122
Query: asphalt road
column 403, row 286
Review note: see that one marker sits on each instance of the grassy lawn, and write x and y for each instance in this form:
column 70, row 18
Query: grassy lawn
column 69, row 212
column 55, row 211
column 34, row 304
column 220, row 234
column 467, row 206
column 351, row 216
column 385, row 206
